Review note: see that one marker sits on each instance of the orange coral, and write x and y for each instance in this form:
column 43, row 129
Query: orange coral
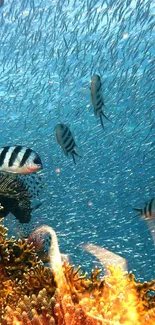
column 61, row 295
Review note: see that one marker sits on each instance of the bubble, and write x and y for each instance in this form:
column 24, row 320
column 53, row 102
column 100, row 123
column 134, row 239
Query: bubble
column 125, row 35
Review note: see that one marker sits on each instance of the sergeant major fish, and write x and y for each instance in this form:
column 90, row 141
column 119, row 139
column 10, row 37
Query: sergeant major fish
column 97, row 98
column 19, row 160
column 148, row 212
column 66, row 140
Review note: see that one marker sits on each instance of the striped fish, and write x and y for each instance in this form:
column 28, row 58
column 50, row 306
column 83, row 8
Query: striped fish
column 66, row 141
column 19, row 160
column 97, row 98
column 148, row 212
column 16, row 197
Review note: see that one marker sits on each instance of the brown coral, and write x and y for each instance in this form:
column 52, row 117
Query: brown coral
column 65, row 296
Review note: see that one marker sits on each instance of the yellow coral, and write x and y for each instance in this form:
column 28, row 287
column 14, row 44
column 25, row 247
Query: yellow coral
column 39, row 295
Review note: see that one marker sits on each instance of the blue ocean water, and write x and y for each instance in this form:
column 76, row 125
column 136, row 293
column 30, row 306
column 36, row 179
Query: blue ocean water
column 49, row 51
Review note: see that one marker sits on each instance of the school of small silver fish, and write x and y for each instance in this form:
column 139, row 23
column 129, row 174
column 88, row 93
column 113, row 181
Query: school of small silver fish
column 62, row 63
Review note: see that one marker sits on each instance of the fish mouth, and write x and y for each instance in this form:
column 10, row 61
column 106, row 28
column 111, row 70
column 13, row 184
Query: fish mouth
column 34, row 168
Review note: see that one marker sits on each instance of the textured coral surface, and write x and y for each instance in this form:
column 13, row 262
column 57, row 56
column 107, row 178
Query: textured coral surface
column 32, row 294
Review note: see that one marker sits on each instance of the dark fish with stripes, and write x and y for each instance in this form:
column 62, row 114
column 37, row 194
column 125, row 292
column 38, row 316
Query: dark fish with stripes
column 66, row 141
column 148, row 212
column 97, row 98
column 17, row 198
column 19, row 160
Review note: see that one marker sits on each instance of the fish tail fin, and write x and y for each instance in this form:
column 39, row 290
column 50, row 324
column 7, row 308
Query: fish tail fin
column 76, row 152
column 106, row 116
column 73, row 156
column 101, row 119
column 138, row 210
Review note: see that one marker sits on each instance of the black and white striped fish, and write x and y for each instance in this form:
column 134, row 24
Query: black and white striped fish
column 66, row 140
column 97, row 98
column 148, row 212
column 19, row 160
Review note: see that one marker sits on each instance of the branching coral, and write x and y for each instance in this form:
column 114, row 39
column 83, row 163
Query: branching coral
column 61, row 295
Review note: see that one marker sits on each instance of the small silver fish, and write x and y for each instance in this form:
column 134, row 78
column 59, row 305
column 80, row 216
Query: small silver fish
column 97, row 98
column 19, row 160
column 148, row 212
column 66, row 140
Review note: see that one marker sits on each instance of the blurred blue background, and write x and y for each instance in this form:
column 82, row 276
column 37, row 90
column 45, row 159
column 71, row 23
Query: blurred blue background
column 49, row 51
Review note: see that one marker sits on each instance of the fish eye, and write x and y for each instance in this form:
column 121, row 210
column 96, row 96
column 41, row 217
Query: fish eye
column 37, row 161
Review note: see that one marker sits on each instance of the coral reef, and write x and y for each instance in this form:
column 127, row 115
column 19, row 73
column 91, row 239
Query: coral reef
column 32, row 294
